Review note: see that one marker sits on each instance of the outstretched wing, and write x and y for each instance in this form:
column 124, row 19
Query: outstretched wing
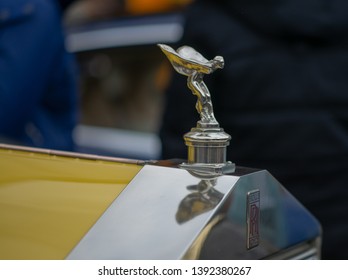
column 184, row 64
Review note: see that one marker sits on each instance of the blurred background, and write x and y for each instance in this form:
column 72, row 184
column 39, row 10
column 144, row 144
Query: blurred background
column 123, row 74
column 282, row 95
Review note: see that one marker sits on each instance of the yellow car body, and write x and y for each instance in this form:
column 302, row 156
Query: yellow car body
column 49, row 201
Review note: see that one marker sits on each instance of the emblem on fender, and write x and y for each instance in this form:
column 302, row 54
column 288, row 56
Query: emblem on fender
column 253, row 219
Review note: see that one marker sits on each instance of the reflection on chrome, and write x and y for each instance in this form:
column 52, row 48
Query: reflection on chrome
column 203, row 198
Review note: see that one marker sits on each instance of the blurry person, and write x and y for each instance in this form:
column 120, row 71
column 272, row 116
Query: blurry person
column 38, row 101
column 282, row 96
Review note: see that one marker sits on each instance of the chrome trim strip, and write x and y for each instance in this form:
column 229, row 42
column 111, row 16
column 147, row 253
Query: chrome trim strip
column 310, row 254
column 309, row 250
column 69, row 154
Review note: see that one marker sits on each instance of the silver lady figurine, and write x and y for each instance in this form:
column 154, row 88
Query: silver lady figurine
column 207, row 142
column 187, row 61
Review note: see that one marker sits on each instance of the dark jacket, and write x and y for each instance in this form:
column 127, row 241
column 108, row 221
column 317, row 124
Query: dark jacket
column 283, row 96
column 37, row 76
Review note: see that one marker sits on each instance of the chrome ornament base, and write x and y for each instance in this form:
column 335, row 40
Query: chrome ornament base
column 208, row 171
column 207, row 152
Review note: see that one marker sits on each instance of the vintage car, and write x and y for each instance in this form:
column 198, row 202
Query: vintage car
column 59, row 205
column 62, row 205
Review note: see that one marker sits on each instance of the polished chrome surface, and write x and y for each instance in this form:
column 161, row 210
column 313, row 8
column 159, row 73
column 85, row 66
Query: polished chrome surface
column 283, row 222
column 157, row 216
column 206, row 145
column 207, row 142
column 207, row 152
column 166, row 213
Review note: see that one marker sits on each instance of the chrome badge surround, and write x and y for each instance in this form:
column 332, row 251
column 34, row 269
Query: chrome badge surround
column 253, row 219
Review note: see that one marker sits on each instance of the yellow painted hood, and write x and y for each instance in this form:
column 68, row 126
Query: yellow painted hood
column 49, row 200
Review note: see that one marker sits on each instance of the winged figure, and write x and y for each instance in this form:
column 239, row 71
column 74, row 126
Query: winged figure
column 187, row 61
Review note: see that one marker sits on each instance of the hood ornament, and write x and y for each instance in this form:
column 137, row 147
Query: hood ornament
column 206, row 142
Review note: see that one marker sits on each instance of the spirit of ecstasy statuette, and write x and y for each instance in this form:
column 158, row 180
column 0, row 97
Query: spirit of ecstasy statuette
column 206, row 142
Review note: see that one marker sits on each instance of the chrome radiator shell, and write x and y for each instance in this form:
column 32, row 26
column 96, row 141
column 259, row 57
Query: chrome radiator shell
column 166, row 213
